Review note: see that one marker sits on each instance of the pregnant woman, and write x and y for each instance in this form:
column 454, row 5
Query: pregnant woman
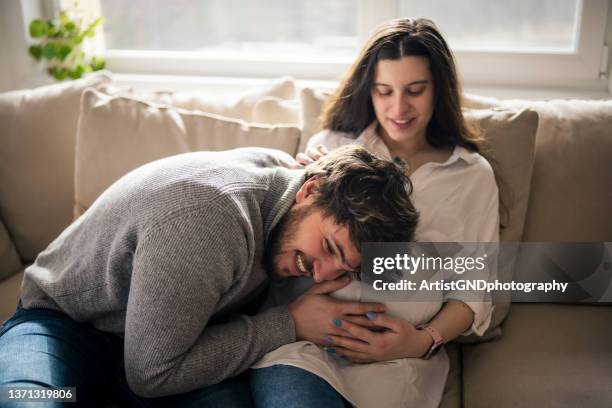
column 400, row 99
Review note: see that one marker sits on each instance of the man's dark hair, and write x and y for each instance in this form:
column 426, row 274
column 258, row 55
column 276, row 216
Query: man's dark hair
column 369, row 194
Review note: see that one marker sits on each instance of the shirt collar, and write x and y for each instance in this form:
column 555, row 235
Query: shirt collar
column 370, row 140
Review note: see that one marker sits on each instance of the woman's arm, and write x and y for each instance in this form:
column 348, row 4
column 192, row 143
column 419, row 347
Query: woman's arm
column 454, row 318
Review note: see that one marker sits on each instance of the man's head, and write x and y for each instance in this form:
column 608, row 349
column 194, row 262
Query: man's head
column 350, row 196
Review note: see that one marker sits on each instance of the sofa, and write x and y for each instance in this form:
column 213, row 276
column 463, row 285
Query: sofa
column 63, row 144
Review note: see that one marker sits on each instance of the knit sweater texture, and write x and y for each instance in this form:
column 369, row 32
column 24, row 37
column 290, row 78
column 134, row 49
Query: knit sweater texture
column 168, row 247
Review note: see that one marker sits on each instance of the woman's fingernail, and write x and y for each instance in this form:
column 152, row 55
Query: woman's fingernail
column 328, row 340
column 330, row 350
column 337, row 323
column 371, row 315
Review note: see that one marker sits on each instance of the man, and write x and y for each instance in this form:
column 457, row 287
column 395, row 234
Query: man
column 143, row 296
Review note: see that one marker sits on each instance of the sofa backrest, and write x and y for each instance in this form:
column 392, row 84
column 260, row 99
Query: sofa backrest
column 37, row 161
column 118, row 133
column 571, row 198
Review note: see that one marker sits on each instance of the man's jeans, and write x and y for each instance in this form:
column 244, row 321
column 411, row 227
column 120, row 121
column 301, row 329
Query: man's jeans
column 40, row 347
column 283, row 386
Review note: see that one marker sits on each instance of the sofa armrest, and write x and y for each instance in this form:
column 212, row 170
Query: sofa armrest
column 10, row 289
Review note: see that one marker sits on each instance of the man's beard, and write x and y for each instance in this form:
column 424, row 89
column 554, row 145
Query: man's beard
column 281, row 238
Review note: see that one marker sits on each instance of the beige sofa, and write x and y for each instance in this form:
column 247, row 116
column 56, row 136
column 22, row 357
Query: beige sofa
column 62, row 145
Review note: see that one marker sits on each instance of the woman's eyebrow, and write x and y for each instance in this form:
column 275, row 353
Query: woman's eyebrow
column 419, row 82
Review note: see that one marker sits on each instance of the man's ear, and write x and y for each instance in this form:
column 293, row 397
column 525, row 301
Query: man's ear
column 308, row 190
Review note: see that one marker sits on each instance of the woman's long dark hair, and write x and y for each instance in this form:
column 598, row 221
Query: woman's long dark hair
column 350, row 108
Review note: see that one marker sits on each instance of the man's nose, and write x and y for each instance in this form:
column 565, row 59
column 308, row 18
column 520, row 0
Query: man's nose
column 326, row 269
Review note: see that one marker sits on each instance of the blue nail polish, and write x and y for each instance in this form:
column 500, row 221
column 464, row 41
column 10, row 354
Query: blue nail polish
column 371, row 315
column 328, row 340
column 331, row 350
column 337, row 323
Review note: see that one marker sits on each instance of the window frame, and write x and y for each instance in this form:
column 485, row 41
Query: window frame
column 579, row 68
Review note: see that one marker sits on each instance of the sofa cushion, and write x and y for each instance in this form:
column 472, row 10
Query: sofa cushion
column 451, row 398
column 37, row 161
column 509, row 145
column 241, row 106
column 274, row 110
column 9, row 295
column 550, row 356
column 116, row 134
column 9, row 258
column 311, row 106
column 570, row 198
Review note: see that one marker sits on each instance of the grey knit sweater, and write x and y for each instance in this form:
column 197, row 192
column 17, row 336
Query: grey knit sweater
column 165, row 249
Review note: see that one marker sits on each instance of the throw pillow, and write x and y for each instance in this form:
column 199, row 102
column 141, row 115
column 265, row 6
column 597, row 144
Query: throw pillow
column 37, row 161
column 117, row 133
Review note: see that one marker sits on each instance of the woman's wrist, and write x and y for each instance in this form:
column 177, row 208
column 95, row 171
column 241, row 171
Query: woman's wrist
column 425, row 342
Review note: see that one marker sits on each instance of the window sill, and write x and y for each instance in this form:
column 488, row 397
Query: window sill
column 231, row 85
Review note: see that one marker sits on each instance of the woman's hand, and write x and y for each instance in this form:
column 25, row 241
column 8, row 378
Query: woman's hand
column 400, row 339
column 311, row 155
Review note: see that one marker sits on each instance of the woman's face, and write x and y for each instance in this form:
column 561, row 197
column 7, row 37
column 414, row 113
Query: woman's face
column 403, row 98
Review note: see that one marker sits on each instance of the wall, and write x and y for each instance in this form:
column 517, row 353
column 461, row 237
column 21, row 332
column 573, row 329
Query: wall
column 20, row 70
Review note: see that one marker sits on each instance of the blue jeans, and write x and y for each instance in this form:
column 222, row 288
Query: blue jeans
column 284, row 386
column 41, row 347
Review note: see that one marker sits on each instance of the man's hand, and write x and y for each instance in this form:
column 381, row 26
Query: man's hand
column 317, row 315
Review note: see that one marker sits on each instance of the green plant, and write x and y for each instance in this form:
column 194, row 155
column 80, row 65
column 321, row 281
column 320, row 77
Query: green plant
column 62, row 43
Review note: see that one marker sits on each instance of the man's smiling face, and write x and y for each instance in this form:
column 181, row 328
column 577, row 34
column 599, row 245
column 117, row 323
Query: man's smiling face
column 309, row 244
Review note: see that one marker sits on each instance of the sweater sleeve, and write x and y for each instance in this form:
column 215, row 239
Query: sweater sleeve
column 181, row 270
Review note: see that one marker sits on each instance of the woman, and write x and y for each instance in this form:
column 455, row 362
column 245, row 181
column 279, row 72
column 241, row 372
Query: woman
column 401, row 99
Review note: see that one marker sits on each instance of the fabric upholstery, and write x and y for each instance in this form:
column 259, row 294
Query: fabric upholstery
column 550, row 356
column 452, row 390
column 311, row 106
column 572, row 169
column 9, row 258
column 117, row 134
column 240, row 106
column 37, row 161
column 9, row 295
column 273, row 110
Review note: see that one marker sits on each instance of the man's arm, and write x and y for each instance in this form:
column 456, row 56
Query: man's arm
column 181, row 270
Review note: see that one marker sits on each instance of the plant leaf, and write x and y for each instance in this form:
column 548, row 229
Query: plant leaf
column 77, row 72
column 70, row 27
column 49, row 50
column 35, row 51
column 52, row 31
column 98, row 63
column 90, row 31
column 64, row 50
column 59, row 73
column 38, row 28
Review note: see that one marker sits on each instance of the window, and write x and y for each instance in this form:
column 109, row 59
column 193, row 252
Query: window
column 525, row 42
column 278, row 27
column 513, row 25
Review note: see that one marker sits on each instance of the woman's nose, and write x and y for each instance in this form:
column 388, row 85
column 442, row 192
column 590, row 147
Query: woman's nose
column 401, row 106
